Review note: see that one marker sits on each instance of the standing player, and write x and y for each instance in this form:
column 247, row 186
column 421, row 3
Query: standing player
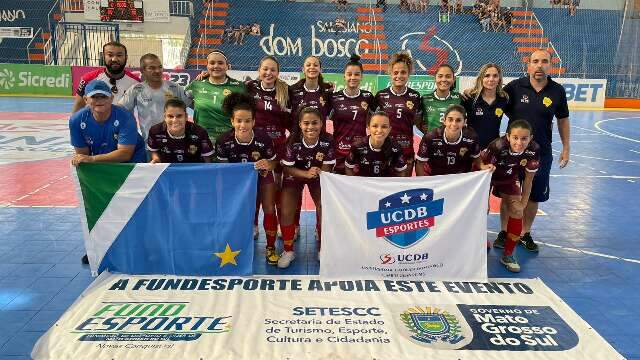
column 311, row 91
column 537, row 99
column 436, row 103
column 114, row 56
column 350, row 110
column 243, row 143
column 486, row 103
column 209, row 93
column 451, row 148
column 402, row 104
column 512, row 155
column 177, row 140
column 149, row 97
column 376, row 155
column 271, row 114
column 309, row 151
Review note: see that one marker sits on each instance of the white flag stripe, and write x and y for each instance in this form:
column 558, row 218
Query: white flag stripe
column 453, row 249
column 119, row 211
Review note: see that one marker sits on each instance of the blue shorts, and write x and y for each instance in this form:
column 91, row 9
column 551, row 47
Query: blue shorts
column 540, row 186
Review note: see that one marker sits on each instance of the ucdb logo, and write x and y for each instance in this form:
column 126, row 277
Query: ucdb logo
column 7, row 80
column 405, row 218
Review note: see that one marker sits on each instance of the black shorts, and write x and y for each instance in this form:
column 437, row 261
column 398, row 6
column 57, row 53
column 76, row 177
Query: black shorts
column 540, row 186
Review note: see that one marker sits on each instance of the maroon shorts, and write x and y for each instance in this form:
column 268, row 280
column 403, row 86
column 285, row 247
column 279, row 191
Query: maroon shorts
column 297, row 183
column 280, row 148
column 339, row 167
column 406, row 144
column 265, row 178
column 510, row 188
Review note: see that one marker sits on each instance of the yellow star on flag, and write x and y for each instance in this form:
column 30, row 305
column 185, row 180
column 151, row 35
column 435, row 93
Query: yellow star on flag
column 227, row 256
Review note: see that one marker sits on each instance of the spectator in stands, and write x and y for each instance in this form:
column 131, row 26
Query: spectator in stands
column 459, row 7
column 424, row 5
column 114, row 57
column 508, row 17
column 573, row 7
column 404, row 5
column 149, row 97
column 382, row 4
column 340, row 24
column 341, row 5
column 485, row 21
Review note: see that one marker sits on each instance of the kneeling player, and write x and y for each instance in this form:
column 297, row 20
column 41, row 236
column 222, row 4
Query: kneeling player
column 376, row 155
column 450, row 149
column 512, row 155
column 244, row 144
column 176, row 140
column 309, row 151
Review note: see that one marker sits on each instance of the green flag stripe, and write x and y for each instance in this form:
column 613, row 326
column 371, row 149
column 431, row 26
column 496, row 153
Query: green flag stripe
column 98, row 183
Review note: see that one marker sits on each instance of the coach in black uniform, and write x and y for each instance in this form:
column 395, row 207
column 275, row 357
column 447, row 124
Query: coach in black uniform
column 537, row 99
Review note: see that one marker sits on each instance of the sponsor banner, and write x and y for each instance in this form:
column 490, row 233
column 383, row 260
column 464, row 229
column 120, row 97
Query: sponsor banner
column 405, row 228
column 26, row 79
column 581, row 93
column 168, row 317
column 16, row 32
column 288, row 77
column 181, row 77
column 369, row 82
column 423, row 84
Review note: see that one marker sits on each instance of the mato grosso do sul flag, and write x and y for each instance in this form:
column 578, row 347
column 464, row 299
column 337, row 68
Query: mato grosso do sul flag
column 182, row 219
column 430, row 227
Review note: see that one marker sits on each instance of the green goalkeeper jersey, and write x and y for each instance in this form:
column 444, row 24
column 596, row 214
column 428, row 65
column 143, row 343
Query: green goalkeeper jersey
column 434, row 108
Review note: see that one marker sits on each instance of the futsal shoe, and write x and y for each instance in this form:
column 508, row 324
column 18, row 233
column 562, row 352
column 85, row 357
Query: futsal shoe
column 272, row 256
column 85, row 259
column 510, row 263
column 256, row 232
column 285, row 259
column 528, row 243
column 498, row 243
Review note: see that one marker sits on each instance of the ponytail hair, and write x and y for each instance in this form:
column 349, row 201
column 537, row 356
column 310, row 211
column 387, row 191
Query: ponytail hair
column 239, row 101
column 401, row 57
column 387, row 146
column 282, row 89
column 354, row 60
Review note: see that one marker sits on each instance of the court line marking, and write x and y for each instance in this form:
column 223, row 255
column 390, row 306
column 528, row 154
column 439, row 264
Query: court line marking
column 599, row 176
column 586, row 252
column 637, row 152
column 598, row 158
column 597, row 126
column 12, row 202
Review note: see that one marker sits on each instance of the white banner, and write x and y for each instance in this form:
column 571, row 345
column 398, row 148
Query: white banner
column 432, row 227
column 581, row 93
column 143, row 317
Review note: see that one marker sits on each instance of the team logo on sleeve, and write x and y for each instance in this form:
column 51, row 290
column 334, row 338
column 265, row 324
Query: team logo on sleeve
column 322, row 102
column 226, row 92
column 116, row 123
column 523, row 162
column 463, row 151
column 255, row 155
column 525, row 99
column 546, row 101
column 193, row 149
column 410, row 104
column 499, row 112
column 83, row 125
column 319, row 156
column 405, row 218
column 364, row 105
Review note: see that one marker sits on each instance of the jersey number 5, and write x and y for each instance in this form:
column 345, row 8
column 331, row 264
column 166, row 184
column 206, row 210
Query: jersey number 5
column 399, row 113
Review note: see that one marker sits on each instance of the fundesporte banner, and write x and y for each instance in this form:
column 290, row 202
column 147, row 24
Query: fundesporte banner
column 168, row 317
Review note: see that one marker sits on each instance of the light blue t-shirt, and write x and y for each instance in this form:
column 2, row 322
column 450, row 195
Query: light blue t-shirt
column 103, row 138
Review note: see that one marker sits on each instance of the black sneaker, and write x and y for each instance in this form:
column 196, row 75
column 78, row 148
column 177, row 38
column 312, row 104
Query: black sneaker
column 528, row 243
column 499, row 241
column 85, row 259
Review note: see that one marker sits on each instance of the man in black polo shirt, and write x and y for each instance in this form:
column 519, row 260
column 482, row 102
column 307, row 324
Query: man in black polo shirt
column 537, row 99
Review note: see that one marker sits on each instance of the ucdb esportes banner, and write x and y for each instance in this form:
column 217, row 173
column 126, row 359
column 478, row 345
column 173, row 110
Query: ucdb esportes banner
column 27, row 79
column 432, row 227
column 168, row 317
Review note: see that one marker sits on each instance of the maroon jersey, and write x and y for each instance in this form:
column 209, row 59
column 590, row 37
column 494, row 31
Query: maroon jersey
column 304, row 157
column 270, row 116
column 402, row 110
column 510, row 165
column 229, row 149
column 301, row 97
column 443, row 157
column 189, row 148
column 374, row 162
column 349, row 115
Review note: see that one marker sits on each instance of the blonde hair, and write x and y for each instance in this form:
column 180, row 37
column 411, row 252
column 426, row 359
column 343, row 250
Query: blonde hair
column 401, row 57
column 477, row 88
column 282, row 89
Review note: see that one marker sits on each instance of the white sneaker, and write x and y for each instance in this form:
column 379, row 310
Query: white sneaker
column 256, row 232
column 285, row 259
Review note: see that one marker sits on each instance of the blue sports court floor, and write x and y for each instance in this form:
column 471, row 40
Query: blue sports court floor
column 588, row 233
